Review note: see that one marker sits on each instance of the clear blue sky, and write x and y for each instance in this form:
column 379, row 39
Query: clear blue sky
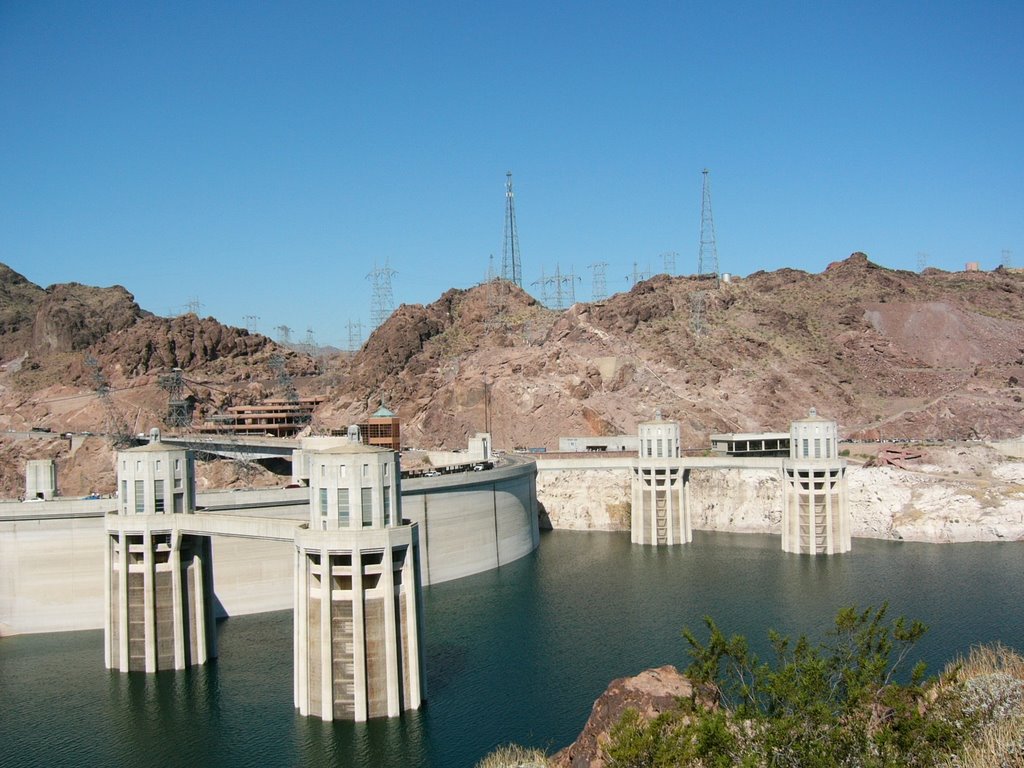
column 260, row 157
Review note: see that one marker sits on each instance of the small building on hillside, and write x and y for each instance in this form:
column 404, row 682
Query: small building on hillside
column 382, row 429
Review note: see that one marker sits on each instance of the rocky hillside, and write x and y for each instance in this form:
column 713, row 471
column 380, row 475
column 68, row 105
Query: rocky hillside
column 60, row 344
column 888, row 353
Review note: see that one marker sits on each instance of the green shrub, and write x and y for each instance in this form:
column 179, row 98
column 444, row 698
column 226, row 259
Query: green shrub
column 848, row 701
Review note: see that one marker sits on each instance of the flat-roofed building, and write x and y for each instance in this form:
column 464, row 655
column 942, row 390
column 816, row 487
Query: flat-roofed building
column 751, row 444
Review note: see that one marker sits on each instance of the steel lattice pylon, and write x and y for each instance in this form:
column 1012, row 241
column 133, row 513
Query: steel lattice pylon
column 707, row 256
column 511, row 269
column 383, row 303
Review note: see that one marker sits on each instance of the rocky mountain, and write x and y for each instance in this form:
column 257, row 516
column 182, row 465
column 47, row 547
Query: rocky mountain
column 888, row 353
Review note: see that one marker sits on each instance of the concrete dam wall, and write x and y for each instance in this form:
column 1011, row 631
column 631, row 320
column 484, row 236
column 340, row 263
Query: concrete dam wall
column 51, row 553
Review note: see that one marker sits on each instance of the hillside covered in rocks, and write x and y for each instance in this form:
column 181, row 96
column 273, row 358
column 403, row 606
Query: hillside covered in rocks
column 889, row 354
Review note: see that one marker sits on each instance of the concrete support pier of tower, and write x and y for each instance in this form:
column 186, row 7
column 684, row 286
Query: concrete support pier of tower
column 158, row 587
column 815, row 512
column 358, row 609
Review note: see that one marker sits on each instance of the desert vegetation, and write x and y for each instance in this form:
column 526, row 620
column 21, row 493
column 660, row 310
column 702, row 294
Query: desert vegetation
column 853, row 699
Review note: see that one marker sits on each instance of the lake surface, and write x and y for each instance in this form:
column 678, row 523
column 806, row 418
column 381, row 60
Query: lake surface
column 518, row 654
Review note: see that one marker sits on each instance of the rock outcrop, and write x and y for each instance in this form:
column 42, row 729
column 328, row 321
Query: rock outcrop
column 650, row 693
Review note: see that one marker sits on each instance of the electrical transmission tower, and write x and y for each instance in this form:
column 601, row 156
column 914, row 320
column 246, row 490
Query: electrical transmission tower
column 697, row 301
column 118, row 431
column 669, row 260
column 284, row 334
column 599, row 286
column 251, row 322
column 355, row 335
column 558, row 291
column 707, row 256
column 179, row 410
column 1007, row 258
column 511, row 268
column 922, row 261
column 383, row 303
column 638, row 275
column 310, row 341
column 194, row 306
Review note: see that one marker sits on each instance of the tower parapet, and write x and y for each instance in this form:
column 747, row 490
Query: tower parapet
column 815, row 512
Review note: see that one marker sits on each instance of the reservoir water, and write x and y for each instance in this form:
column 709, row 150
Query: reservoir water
column 518, row 654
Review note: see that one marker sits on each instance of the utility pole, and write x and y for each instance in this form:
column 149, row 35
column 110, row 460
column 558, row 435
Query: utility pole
column 511, row 268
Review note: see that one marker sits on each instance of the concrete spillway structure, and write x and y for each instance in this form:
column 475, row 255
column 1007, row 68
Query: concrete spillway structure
column 358, row 607
column 815, row 511
column 158, row 588
column 660, row 514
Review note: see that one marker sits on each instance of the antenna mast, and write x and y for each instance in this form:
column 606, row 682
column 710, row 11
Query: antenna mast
column 511, row 269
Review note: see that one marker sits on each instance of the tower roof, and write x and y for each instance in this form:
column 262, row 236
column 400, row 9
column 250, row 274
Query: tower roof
column 382, row 413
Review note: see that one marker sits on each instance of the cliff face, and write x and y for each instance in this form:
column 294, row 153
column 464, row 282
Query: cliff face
column 72, row 317
column 968, row 492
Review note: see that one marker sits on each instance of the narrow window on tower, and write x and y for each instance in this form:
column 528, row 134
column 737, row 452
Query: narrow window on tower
column 366, row 502
column 343, row 507
column 158, row 496
column 323, row 502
